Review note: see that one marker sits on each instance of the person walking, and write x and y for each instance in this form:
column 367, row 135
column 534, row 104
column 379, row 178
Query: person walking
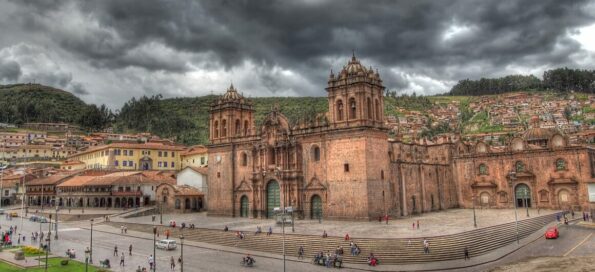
column 122, row 259
column 417, row 224
column 413, row 225
column 426, row 247
column 467, row 254
column 172, row 263
column 130, row 250
column 386, row 218
column 150, row 262
column 301, row 252
column 116, row 250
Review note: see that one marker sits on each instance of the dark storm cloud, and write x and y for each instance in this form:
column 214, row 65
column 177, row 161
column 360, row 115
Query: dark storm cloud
column 9, row 71
column 441, row 41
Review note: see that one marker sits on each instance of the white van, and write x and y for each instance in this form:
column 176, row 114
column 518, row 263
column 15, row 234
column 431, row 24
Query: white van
column 166, row 244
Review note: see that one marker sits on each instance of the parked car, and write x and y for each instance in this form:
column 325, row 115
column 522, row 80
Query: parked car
column 42, row 219
column 166, row 244
column 33, row 218
column 552, row 233
column 14, row 214
column 1, row 211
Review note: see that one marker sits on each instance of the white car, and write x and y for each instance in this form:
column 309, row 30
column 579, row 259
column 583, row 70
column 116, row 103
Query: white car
column 166, row 244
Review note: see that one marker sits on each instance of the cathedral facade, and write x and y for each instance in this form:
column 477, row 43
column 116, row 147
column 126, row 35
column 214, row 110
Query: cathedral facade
column 343, row 166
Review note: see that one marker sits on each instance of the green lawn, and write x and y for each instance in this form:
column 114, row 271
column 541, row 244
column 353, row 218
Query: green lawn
column 54, row 266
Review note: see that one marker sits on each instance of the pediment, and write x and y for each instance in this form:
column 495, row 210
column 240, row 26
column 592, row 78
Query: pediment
column 483, row 184
column 562, row 181
column 315, row 184
column 243, row 186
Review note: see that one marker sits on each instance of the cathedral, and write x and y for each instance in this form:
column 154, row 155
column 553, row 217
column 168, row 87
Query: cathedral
column 344, row 166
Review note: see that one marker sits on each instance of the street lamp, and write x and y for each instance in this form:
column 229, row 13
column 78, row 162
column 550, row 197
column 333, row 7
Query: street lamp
column 182, row 253
column 154, row 255
column 526, row 200
column 91, row 250
column 283, row 212
column 161, row 213
column 48, row 240
column 87, row 253
column 56, row 234
column 474, row 218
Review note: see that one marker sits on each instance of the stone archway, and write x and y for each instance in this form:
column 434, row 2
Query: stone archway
column 273, row 197
column 522, row 194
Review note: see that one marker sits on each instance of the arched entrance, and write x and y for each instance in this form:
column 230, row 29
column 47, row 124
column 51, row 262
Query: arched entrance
column 316, row 207
column 522, row 195
column 484, row 199
column 244, row 206
column 273, row 197
column 563, row 197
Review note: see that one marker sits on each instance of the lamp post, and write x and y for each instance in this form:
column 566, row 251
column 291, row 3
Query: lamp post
column 48, row 240
column 154, row 255
column 161, row 213
column 91, row 250
column 512, row 176
column 284, row 212
column 474, row 218
column 87, row 252
column 56, row 233
column 182, row 253
column 526, row 201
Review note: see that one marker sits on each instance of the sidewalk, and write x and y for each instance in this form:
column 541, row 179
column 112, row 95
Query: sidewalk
column 431, row 266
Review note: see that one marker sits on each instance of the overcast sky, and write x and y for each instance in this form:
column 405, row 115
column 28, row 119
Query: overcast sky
column 109, row 51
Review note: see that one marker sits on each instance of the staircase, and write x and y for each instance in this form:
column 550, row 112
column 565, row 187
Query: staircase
column 388, row 251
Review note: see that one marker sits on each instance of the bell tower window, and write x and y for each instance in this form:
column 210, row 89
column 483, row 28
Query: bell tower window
column 238, row 127
column 352, row 108
column 216, row 129
column 377, row 106
column 246, row 128
column 339, row 110
column 369, row 107
column 224, row 128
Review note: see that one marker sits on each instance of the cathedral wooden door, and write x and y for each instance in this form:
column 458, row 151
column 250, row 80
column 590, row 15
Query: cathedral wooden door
column 316, row 211
column 273, row 198
column 244, row 206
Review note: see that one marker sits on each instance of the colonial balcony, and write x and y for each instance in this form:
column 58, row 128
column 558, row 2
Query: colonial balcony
column 130, row 193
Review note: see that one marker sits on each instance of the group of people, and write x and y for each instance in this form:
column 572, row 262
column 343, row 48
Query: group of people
column 372, row 260
column 355, row 250
column 328, row 260
column 71, row 253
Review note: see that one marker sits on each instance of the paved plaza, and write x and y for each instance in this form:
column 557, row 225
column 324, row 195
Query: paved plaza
column 430, row 224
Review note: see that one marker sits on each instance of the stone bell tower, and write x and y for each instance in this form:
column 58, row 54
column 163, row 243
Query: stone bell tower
column 231, row 116
column 355, row 96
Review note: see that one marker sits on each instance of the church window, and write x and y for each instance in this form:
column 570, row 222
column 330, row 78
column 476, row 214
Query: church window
column 246, row 128
column 560, row 164
column 244, row 159
column 224, row 128
column 382, row 174
column 377, row 107
column 483, row 169
column 316, row 153
column 352, row 108
column 346, row 167
column 339, row 110
column 369, row 107
column 238, row 128
column 216, row 129
column 519, row 167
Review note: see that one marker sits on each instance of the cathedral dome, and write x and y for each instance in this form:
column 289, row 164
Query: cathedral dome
column 231, row 94
column 354, row 67
column 537, row 133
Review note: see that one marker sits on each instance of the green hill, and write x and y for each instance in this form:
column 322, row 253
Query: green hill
column 22, row 103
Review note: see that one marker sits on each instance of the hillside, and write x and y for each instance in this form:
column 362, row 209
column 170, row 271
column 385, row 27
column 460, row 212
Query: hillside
column 21, row 103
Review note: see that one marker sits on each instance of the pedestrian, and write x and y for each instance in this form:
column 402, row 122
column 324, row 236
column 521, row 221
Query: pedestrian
column 122, row 229
column 426, row 247
column 130, row 250
column 467, row 254
column 270, row 231
column 122, row 259
column 116, row 250
column 386, row 218
column 417, row 224
column 172, row 263
column 166, row 234
column 380, row 219
column 126, row 230
column 150, row 262
column 413, row 225
column 584, row 216
column 572, row 214
column 153, row 218
column 301, row 252
column 347, row 237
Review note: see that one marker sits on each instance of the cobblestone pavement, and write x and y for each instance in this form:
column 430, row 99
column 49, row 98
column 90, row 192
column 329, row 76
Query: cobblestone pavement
column 431, row 224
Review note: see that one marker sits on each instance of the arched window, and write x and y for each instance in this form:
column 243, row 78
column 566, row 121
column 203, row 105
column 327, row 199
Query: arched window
column 483, row 169
column 315, row 153
column 382, row 174
column 369, row 107
column 519, row 167
column 244, row 159
column 560, row 164
column 352, row 108
column 238, row 127
column 377, row 107
column 224, row 128
column 246, row 128
column 339, row 110
column 216, row 129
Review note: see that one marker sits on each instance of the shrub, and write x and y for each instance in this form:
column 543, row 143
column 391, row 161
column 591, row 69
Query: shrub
column 29, row 250
column 64, row 262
